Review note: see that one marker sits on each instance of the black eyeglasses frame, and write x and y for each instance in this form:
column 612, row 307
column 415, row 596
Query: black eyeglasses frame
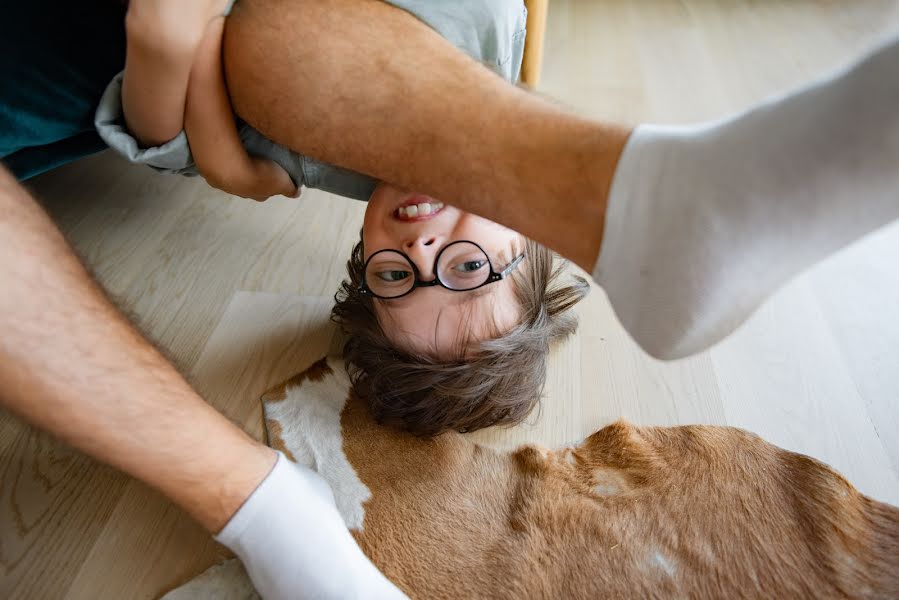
column 418, row 282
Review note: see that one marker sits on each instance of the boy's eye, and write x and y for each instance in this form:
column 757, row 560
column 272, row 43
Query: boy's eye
column 393, row 275
column 470, row 266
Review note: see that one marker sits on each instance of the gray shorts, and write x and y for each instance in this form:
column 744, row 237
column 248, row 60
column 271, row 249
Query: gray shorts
column 490, row 31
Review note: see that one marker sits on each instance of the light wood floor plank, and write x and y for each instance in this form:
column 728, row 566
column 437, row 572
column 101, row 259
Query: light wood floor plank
column 858, row 291
column 794, row 389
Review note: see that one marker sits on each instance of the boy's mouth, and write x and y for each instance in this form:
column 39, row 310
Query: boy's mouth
column 418, row 208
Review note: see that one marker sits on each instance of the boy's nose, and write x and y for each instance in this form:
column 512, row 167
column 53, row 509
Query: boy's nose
column 423, row 250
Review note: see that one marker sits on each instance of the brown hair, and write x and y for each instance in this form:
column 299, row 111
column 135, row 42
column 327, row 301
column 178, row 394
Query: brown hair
column 497, row 384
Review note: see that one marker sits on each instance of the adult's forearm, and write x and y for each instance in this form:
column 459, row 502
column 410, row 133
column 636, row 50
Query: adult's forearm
column 72, row 365
column 389, row 97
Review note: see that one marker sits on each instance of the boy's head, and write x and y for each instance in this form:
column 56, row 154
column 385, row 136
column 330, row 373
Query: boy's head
column 449, row 316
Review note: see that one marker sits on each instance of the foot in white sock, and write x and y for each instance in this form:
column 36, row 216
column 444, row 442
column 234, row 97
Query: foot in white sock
column 705, row 222
column 294, row 544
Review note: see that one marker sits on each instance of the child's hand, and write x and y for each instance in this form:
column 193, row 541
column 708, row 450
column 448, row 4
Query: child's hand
column 265, row 179
column 212, row 132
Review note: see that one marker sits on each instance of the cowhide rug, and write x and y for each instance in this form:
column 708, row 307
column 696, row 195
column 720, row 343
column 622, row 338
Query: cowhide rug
column 632, row 512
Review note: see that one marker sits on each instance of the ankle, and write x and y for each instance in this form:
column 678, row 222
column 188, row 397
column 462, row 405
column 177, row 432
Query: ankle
column 226, row 484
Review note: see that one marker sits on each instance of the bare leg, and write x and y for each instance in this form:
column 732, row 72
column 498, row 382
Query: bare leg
column 389, row 97
column 705, row 221
column 72, row 365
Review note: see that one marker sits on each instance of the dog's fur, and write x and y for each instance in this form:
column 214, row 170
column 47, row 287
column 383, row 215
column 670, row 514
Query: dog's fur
column 636, row 512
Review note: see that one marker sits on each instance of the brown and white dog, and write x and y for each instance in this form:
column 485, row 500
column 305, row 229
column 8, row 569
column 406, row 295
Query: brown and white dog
column 632, row 512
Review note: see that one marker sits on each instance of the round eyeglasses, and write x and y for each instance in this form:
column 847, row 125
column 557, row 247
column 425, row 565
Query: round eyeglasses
column 460, row 266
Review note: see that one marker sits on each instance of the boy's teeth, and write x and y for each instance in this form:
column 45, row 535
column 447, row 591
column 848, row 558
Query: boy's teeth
column 419, row 210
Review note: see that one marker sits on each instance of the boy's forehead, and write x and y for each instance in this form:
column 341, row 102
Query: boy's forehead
column 444, row 324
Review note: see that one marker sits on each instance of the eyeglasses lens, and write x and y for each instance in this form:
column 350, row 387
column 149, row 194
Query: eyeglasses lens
column 463, row 266
column 388, row 274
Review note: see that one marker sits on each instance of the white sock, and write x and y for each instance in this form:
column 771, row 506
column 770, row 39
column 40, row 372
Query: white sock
column 294, row 543
column 704, row 222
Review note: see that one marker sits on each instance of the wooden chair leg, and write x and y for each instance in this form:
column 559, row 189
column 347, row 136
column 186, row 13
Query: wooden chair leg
column 533, row 47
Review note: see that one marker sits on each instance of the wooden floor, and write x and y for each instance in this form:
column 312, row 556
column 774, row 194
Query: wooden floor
column 238, row 295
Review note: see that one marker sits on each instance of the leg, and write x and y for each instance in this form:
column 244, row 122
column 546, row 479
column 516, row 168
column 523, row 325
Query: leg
column 72, row 365
column 703, row 222
column 707, row 221
column 391, row 98
column 52, row 312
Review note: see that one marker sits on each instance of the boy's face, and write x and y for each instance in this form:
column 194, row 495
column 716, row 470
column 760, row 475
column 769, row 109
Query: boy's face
column 435, row 320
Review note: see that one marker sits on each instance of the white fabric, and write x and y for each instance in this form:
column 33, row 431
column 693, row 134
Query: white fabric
column 704, row 222
column 294, row 543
